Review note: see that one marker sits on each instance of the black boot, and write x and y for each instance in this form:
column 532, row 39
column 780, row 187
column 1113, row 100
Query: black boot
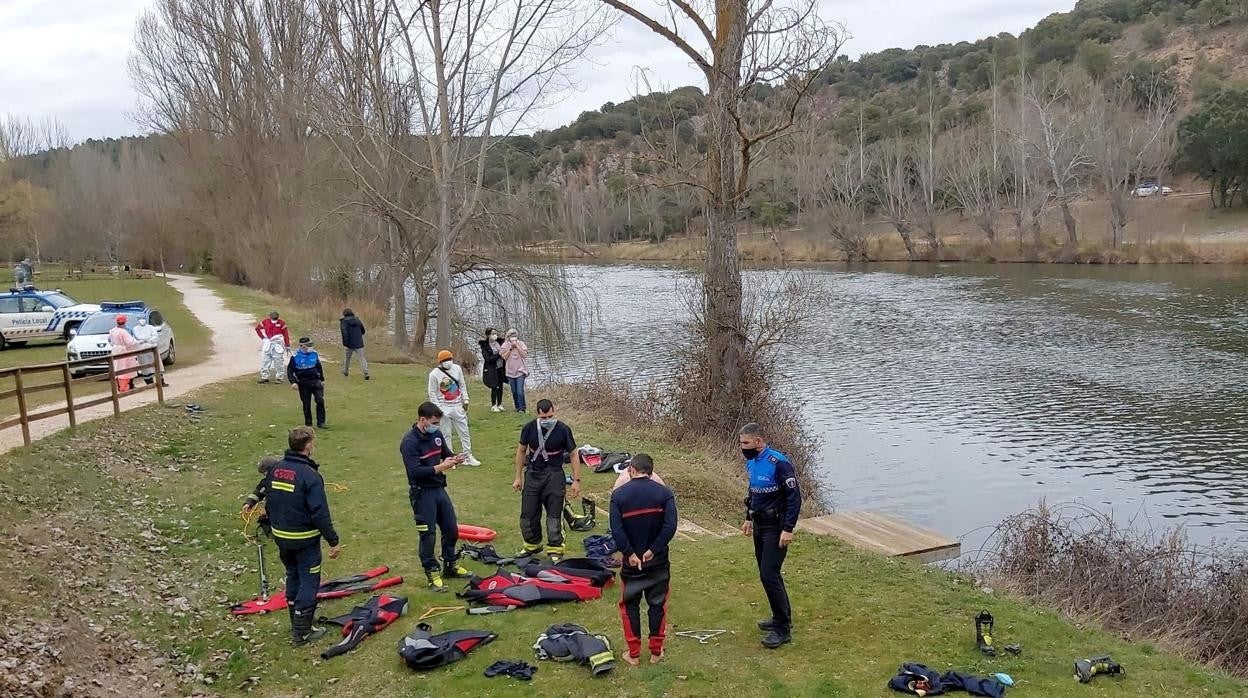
column 301, row 629
column 983, row 633
column 767, row 624
column 776, row 637
column 1085, row 669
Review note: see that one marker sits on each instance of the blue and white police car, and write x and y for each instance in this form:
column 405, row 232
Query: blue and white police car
column 90, row 339
column 27, row 313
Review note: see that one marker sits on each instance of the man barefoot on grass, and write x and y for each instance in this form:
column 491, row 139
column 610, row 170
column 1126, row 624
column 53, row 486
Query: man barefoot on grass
column 643, row 522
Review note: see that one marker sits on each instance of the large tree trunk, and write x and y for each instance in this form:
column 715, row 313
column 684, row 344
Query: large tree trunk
column 1117, row 216
column 903, row 230
column 722, row 285
column 1072, row 238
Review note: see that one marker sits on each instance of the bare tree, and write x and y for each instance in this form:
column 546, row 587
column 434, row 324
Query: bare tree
column 972, row 175
column 1059, row 140
column 840, row 197
column 1130, row 143
column 738, row 45
column 477, row 68
column 894, row 187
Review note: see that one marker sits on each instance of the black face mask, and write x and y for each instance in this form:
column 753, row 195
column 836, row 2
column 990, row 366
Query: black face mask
column 750, row 453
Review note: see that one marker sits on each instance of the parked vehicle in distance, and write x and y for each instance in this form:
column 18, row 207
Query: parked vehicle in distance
column 1150, row 187
column 27, row 313
column 90, row 340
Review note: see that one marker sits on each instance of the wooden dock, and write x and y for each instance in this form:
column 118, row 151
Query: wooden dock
column 884, row 534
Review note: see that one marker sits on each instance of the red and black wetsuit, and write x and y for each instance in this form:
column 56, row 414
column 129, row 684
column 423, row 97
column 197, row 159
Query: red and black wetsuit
column 643, row 518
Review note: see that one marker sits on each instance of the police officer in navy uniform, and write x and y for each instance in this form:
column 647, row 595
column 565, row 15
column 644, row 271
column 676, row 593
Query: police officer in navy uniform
column 305, row 373
column 426, row 458
column 299, row 518
column 772, row 507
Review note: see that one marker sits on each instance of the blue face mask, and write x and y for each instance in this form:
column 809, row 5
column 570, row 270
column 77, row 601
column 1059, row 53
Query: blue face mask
column 547, row 423
column 432, row 429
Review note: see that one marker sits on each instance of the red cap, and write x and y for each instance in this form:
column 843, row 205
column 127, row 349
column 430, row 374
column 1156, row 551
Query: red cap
column 121, row 319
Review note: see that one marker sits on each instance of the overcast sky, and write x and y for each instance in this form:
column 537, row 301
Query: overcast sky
column 67, row 58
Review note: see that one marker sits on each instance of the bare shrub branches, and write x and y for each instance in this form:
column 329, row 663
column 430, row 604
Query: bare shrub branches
column 1152, row 585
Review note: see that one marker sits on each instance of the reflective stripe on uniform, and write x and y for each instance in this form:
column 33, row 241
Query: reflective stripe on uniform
column 422, row 528
column 314, row 570
column 295, row 535
column 283, row 486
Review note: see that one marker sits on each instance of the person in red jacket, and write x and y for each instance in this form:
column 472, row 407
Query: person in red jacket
column 275, row 338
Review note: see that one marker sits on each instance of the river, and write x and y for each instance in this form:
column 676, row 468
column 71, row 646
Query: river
column 956, row 395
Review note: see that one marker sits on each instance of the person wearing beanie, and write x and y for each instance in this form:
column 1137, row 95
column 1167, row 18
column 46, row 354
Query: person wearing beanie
column 449, row 391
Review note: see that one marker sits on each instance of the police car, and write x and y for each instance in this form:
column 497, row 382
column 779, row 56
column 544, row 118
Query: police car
column 90, row 339
column 26, row 314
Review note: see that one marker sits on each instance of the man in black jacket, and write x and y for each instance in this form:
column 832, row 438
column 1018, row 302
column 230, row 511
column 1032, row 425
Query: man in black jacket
column 643, row 522
column 352, row 341
column 426, row 458
column 299, row 517
column 306, row 374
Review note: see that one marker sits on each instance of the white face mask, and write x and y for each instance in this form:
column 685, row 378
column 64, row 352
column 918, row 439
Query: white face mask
column 446, row 364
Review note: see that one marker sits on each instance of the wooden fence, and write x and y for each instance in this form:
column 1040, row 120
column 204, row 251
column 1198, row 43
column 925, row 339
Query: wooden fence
column 64, row 381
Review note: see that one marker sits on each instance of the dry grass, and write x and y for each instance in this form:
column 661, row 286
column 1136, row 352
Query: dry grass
column 1146, row 585
column 1179, row 229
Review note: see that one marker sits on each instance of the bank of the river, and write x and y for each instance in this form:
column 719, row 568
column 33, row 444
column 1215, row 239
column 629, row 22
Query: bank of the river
column 1171, row 230
column 128, row 531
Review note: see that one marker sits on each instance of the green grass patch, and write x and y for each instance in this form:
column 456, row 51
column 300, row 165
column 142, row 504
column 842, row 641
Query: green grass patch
column 155, row 494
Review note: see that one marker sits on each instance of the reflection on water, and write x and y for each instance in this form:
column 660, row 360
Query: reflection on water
column 955, row 395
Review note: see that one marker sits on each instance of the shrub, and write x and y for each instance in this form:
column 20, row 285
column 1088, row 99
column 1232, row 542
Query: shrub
column 1154, row 33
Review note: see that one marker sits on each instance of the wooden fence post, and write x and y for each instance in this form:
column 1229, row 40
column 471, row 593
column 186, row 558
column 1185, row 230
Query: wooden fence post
column 21, row 405
column 69, row 394
column 160, row 375
column 112, row 385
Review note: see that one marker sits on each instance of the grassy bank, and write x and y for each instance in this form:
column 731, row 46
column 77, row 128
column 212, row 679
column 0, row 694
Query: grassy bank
column 128, row 533
column 1173, row 230
column 316, row 320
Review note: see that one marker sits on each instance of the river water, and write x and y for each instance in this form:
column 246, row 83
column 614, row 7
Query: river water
column 955, row 395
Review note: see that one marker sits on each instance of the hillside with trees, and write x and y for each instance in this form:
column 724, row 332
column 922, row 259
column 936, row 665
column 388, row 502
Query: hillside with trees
column 995, row 140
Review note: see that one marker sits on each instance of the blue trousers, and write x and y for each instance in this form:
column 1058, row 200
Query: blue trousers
column 517, row 393
column 303, row 576
column 432, row 507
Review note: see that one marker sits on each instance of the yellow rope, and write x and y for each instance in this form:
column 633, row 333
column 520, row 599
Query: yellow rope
column 250, row 517
column 338, row 487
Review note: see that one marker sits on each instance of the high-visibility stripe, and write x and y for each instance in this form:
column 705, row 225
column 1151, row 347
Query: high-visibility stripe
column 314, row 570
column 640, row 512
column 422, row 528
column 295, row 535
column 283, row 486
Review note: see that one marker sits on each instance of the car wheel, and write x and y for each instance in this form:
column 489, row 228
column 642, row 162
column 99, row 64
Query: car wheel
column 77, row 374
column 17, row 345
column 4, row 344
column 171, row 357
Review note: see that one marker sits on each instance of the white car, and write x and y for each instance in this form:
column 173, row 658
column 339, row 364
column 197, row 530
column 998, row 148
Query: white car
column 27, row 314
column 1151, row 189
column 90, row 339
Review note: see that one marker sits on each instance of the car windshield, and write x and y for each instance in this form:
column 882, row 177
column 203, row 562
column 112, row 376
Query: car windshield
column 101, row 323
column 59, row 300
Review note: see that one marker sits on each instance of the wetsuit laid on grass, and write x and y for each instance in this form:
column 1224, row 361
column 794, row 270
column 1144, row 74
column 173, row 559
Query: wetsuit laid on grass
column 643, row 522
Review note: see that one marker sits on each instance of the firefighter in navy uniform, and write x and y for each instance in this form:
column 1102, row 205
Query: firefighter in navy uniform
column 426, row 458
column 299, row 517
column 772, row 507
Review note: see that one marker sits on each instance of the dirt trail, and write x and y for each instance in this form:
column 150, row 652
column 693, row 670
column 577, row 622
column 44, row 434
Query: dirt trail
column 233, row 354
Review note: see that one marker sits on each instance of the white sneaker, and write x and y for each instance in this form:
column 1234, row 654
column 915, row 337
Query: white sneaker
column 496, row 408
column 472, row 460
